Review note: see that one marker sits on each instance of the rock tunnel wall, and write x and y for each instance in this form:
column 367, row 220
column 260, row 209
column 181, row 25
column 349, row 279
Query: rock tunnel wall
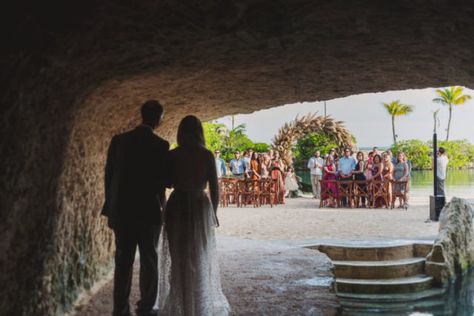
column 75, row 73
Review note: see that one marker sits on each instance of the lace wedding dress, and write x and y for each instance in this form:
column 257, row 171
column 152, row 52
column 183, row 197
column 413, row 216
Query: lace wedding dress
column 189, row 282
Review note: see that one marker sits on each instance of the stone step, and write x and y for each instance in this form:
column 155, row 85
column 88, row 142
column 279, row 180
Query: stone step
column 376, row 286
column 432, row 293
column 392, row 309
column 388, row 269
column 368, row 253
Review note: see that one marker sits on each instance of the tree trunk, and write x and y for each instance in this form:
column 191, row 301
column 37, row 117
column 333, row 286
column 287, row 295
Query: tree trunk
column 449, row 121
column 393, row 130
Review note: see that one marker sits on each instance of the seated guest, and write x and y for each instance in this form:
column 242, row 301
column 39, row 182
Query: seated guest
column 359, row 173
column 345, row 171
column 237, row 166
column 328, row 184
column 220, row 164
column 400, row 173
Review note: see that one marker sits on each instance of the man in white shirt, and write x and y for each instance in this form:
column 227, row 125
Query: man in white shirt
column 315, row 165
column 442, row 164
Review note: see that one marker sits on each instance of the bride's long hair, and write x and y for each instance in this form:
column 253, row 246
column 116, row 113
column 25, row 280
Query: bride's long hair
column 190, row 132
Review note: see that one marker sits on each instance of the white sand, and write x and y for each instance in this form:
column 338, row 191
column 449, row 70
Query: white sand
column 302, row 219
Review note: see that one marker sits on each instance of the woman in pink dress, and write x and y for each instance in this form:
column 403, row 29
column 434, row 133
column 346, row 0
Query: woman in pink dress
column 327, row 185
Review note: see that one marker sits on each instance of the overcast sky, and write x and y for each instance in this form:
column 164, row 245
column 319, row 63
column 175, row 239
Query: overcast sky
column 366, row 118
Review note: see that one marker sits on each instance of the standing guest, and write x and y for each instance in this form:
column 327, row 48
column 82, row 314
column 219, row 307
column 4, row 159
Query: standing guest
column 315, row 165
column 332, row 152
column 329, row 184
column 442, row 162
column 374, row 151
column 387, row 172
column 247, row 158
column 377, row 167
column 368, row 166
column 359, row 173
column 400, row 173
column 291, row 183
column 393, row 159
column 277, row 168
column 220, row 164
column 347, row 165
column 237, row 166
column 255, row 167
column 336, row 160
column 265, row 166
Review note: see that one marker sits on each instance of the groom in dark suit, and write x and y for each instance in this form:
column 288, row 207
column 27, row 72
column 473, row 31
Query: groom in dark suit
column 134, row 198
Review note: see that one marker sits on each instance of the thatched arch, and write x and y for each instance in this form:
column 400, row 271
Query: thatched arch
column 310, row 123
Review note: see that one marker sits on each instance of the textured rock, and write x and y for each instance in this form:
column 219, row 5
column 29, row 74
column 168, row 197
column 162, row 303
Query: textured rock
column 453, row 250
column 74, row 73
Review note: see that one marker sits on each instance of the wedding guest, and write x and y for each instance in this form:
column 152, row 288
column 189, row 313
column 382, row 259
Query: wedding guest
column 220, row 164
column 315, row 165
column 368, row 166
column 237, row 165
column 255, row 167
column 265, row 166
column 400, row 173
column 291, row 183
column 345, row 171
column 374, row 151
column 377, row 167
column 329, row 184
column 442, row 164
column 393, row 159
column 359, row 173
column 387, row 172
column 248, row 170
column 277, row 168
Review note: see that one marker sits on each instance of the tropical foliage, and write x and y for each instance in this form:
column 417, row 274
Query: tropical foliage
column 218, row 136
column 460, row 153
column 306, row 146
column 451, row 96
column 394, row 109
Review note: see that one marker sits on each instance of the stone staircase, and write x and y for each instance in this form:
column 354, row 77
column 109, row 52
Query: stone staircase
column 386, row 278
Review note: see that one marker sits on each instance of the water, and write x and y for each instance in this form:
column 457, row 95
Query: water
column 458, row 183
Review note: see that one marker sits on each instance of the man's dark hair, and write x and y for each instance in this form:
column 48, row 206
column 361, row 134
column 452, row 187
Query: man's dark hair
column 441, row 150
column 151, row 111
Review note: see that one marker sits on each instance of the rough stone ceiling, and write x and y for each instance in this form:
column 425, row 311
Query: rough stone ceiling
column 74, row 73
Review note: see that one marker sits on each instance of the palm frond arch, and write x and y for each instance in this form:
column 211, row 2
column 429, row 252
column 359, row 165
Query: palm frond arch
column 289, row 133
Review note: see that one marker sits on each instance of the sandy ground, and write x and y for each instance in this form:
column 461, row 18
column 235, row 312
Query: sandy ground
column 258, row 278
column 264, row 269
column 302, row 219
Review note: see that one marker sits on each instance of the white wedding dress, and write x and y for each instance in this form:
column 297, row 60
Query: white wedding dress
column 189, row 282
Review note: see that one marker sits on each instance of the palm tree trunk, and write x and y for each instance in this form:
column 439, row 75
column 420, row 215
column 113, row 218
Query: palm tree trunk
column 449, row 121
column 393, row 130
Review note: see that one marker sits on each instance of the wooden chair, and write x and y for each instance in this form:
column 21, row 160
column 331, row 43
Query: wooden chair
column 328, row 191
column 380, row 190
column 229, row 191
column 399, row 190
column 344, row 191
column 361, row 189
column 267, row 192
column 248, row 192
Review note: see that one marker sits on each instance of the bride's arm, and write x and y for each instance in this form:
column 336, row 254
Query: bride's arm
column 213, row 182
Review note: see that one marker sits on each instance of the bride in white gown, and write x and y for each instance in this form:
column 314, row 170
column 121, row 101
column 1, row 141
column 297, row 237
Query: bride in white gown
column 189, row 282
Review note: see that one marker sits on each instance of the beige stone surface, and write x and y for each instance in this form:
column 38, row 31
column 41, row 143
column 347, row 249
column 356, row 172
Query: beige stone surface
column 453, row 251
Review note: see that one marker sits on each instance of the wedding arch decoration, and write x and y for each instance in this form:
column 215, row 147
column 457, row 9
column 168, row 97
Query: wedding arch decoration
column 289, row 133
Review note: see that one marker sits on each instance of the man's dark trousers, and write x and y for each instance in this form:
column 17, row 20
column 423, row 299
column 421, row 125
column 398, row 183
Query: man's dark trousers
column 127, row 238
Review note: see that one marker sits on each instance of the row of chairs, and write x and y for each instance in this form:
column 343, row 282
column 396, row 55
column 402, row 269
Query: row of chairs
column 247, row 192
column 371, row 190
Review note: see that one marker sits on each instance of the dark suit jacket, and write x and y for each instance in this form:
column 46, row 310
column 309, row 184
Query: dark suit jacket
column 135, row 177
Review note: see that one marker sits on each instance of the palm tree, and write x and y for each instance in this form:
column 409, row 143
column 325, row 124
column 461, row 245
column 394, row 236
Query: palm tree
column 451, row 96
column 395, row 108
